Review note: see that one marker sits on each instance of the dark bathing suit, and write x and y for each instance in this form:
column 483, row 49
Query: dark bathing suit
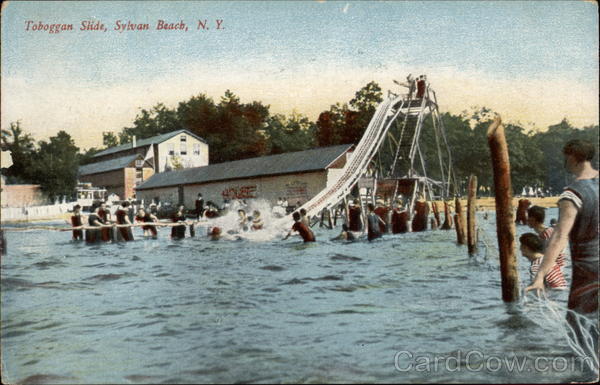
column 76, row 222
column 124, row 233
column 304, row 232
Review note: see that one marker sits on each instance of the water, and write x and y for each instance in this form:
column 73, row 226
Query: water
column 163, row 311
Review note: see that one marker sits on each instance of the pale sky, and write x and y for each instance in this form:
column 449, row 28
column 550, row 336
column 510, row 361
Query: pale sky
column 533, row 62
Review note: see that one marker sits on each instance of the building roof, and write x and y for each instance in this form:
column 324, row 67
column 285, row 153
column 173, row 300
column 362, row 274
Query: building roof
column 288, row 163
column 146, row 142
column 107, row 165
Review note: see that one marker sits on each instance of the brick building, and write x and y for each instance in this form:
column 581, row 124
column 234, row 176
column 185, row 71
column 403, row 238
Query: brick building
column 121, row 168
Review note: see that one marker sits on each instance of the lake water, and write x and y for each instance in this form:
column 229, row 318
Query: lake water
column 164, row 311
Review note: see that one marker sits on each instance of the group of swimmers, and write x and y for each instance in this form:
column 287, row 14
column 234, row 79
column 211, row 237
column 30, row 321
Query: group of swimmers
column 101, row 227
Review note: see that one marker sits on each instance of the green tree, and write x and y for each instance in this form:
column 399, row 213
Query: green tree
column 55, row 165
column 21, row 147
column 158, row 120
column 109, row 139
column 293, row 133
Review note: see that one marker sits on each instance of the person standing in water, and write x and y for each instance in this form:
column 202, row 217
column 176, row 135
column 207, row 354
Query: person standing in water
column 304, row 231
column 373, row 223
column 104, row 215
column 146, row 217
column 577, row 226
column 304, row 218
column 399, row 218
column 178, row 232
column 94, row 235
column 76, row 221
column 122, row 215
column 532, row 248
column 354, row 212
column 421, row 212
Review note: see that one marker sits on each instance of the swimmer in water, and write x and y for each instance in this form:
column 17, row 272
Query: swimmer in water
column 373, row 222
column 76, row 221
column 214, row 233
column 257, row 222
column 242, row 220
column 345, row 235
column 304, row 218
column 304, row 231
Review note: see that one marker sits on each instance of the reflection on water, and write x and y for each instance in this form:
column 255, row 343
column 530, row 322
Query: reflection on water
column 163, row 311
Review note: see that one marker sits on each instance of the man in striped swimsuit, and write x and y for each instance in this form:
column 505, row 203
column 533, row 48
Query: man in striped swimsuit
column 532, row 248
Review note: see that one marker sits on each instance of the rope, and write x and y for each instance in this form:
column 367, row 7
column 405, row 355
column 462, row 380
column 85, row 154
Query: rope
column 84, row 227
column 554, row 316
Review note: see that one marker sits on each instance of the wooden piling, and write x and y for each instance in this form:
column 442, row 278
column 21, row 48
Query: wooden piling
column 505, row 221
column 471, row 221
column 447, row 217
column 436, row 214
column 458, row 222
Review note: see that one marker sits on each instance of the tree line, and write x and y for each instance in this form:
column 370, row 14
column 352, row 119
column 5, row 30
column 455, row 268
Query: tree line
column 235, row 130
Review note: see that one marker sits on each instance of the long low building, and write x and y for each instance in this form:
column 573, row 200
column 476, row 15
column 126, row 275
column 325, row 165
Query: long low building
column 297, row 176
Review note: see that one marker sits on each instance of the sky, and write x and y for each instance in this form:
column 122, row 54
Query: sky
column 533, row 62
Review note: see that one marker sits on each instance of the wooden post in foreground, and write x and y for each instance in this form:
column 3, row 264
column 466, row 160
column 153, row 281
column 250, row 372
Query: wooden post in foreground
column 458, row 222
column 505, row 221
column 471, row 223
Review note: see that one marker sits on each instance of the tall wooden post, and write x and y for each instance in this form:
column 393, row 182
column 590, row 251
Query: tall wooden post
column 471, row 222
column 505, row 221
column 447, row 217
column 459, row 222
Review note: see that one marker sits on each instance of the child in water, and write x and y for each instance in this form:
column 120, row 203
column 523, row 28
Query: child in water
column 304, row 231
column 532, row 248
column 214, row 233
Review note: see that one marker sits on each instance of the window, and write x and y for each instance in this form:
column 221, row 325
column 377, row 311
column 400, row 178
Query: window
column 196, row 148
column 183, row 138
column 183, row 149
column 171, row 149
column 139, row 163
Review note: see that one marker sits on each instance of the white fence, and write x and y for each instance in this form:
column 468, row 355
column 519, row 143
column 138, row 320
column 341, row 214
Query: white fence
column 33, row 213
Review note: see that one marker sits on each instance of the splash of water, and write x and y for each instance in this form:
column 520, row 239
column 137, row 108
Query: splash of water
column 231, row 229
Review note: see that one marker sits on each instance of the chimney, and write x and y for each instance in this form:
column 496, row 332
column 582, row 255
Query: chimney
column 133, row 141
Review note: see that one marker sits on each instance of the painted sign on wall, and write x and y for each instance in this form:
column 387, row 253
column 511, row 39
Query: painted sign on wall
column 243, row 192
column 296, row 189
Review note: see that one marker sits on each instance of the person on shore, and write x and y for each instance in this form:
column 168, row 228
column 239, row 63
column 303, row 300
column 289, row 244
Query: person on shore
column 578, row 226
column 532, row 248
column 199, row 206
column 304, row 231
column 76, row 221
column 122, row 216
column 399, row 218
column 373, row 223
column 178, row 232
column 354, row 213
column 257, row 222
column 242, row 220
column 94, row 235
column 345, row 235
column 106, row 233
column 146, row 217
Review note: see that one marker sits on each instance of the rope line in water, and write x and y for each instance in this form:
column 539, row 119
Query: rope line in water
column 84, row 227
column 554, row 316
